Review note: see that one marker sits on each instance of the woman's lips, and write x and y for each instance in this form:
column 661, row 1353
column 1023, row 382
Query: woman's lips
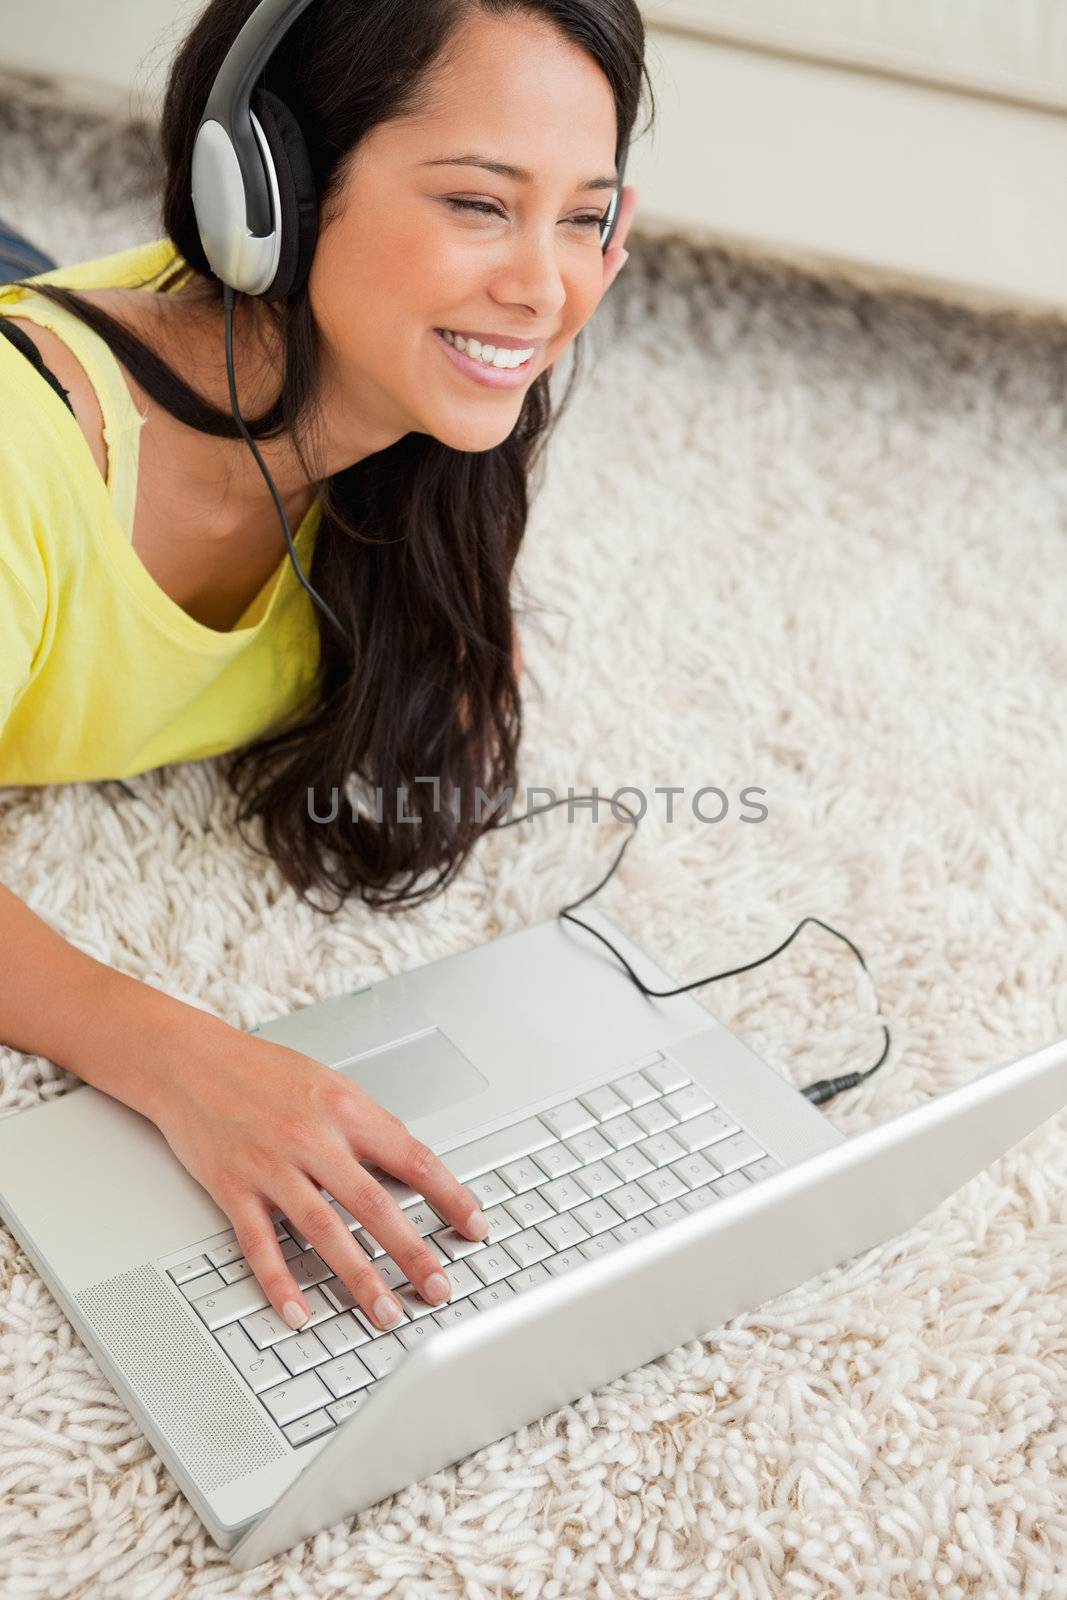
column 491, row 377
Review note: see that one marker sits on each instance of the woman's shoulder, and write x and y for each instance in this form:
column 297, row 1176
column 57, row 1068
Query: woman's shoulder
column 58, row 356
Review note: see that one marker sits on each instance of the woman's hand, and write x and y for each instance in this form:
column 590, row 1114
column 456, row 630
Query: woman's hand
column 260, row 1125
column 615, row 255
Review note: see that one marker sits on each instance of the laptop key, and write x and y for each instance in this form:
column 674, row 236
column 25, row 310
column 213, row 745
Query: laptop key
column 382, row 1354
column 528, row 1247
column 601, row 1245
column 705, row 1129
column 454, row 1312
column 196, row 1288
column 563, row 1193
column 308, row 1269
column 225, row 1253
column 596, row 1216
column 631, row 1200
column 666, row 1075
column 635, row 1228
column 491, row 1265
column 259, row 1368
column 528, row 1208
column 731, row 1183
column 521, row 1174
column 662, row 1185
column 629, row 1163
column 566, row 1261
column 562, row 1232
column 494, row 1294
column 736, row 1151
column 697, row 1199
column 669, row 1211
column 462, row 1279
column 622, row 1131
column 686, row 1102
column 693, row 1170
column 597, row 1178
column 661, row 1149
column 287, row 1401
column 454, row 1245
column 588, row 1146
column 196, row 1266
column 653, row 1117
column 309, row 1427
column 635, row 1089
column 493, row 1149
column 763, row 1168
column 603, row 1103
column 345, row 1374
column 555, row 1160
column 528, row 1278
column 501, row 1224
column 303, row 1351
column 266, row 1328
column 570, row 1117
column 342, row 1334
column 232, row 1302
column 489, row 1189
column 415, row 1332
column 234, row 1271
column 344, row 1408
column 423, row 1217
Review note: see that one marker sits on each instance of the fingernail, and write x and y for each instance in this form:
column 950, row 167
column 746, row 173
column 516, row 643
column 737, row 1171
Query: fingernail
column 435, row 1287
column 477, row 1224
column 386, row 1311
column 625, row 258
column 294, row 1315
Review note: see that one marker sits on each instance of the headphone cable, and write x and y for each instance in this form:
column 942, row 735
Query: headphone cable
column 818, row 1093
column 228, row 298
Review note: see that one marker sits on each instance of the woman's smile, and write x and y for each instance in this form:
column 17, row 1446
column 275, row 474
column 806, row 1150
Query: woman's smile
column 476, row 369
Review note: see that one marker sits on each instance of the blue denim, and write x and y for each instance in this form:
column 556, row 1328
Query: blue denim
column 18, row 257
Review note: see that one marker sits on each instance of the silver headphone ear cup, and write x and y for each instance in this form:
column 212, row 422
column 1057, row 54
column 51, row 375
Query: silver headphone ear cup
column 248, row 264
column 297, row 216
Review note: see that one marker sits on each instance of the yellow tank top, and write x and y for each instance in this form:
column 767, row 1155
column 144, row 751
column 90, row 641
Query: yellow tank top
column 102, row 674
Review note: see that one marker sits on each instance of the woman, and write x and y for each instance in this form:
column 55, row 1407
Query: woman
column 136, row 517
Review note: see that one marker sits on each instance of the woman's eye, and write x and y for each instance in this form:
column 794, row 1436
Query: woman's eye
column 592, row 220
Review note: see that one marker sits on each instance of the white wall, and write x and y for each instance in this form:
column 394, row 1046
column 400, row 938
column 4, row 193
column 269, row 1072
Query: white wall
column 952, row 192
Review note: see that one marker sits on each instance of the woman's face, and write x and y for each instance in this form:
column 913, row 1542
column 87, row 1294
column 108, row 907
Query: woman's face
column 403, row 258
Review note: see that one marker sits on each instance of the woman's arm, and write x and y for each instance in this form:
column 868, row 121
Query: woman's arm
column 107, row 1028
column 257, row 1124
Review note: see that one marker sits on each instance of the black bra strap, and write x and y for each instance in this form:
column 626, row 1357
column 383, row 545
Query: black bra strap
column 22, row 341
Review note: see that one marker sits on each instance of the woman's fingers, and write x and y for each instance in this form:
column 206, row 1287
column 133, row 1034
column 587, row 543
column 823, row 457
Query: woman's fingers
column 254, row 1227
column 376, row 1210
column 330, row 1240
column 320, row 1223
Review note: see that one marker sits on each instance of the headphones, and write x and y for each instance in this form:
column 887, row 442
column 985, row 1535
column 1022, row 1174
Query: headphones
column 253, row 191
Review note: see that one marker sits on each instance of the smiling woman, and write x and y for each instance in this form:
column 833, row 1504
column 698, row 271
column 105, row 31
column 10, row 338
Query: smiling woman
column 148, row 612
column 398, row 394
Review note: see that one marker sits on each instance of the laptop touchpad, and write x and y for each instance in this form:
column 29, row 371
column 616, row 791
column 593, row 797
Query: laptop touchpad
column 416, row 1076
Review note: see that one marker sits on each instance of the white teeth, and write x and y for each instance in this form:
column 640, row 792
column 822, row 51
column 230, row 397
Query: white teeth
column 488, row 354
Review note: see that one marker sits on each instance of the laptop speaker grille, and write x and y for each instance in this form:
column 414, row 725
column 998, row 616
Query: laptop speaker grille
column 209, row 1419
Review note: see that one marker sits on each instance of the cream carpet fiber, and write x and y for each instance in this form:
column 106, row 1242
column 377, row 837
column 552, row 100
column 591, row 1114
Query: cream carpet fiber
column 793, row 534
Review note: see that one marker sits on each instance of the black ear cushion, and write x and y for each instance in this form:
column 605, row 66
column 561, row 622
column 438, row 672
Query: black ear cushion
column 299, row 218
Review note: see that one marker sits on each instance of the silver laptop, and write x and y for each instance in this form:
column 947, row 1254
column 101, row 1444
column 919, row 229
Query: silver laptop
column 646, row 1175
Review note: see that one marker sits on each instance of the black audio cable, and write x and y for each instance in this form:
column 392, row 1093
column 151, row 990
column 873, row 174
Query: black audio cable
column 818, row 1093
column 228, row 298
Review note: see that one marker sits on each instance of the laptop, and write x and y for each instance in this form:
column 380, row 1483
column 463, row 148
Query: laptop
column 646, row 1174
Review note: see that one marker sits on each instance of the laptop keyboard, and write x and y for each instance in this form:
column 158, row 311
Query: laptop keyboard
column 575, row 1181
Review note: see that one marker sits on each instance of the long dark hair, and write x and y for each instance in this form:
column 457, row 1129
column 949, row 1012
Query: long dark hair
column 425, row 686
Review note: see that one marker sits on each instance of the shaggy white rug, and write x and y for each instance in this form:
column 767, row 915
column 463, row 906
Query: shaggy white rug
column 796, row 535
